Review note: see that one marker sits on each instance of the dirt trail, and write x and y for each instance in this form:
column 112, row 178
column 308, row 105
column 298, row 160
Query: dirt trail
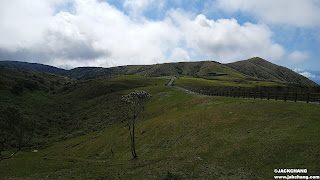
column 170, row 83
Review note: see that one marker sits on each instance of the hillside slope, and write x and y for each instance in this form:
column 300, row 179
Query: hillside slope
column 181, row 136
column 32, row 67
column 81, row 132
column 254, row 68
column 201, row 68
column 62, row 107
column 262, row 69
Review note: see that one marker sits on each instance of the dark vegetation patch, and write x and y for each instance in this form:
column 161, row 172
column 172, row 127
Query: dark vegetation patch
column 63, row 108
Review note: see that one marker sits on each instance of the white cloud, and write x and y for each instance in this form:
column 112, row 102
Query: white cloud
column 95, row 33
column 294, row 12
column 137, row 7
column 308, row 75
column 297, row 57
column 225, row 39
column 179, row 55
column 298, row 70
column 21, row 22
column 313, row 75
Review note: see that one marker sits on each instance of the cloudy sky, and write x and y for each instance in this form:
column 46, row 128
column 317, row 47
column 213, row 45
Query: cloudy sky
column 72, row 33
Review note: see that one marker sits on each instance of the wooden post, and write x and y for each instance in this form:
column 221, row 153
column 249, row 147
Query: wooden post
column 268, row 95
column 295, row 97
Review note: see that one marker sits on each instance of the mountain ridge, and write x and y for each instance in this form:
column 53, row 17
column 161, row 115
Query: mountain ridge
column 37, row 67
column 269, row 71
column 256, row 68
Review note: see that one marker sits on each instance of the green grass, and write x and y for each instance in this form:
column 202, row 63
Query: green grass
column 178, row 135
column 199, row 83
column 190, row 137
column 128, row 77
column 64, row 108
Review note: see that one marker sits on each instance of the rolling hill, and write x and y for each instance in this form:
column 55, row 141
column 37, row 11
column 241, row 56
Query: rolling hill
column 262, row 69
column 62, row 107
column 81, row 134
column 32, row 67
column 252, row 69
column 81, row 131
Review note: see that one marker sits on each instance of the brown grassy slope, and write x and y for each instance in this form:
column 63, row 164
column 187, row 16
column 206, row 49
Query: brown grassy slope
column 262, row 69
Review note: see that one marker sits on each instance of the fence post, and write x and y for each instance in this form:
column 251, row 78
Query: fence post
column 308, row 96
column 268, row 95
column 276, row 95
column 295, row 97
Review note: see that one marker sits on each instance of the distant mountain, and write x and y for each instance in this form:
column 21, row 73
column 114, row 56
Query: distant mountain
column 202, row 68
column 262, row 69
column 255, row 68
column 32, row 67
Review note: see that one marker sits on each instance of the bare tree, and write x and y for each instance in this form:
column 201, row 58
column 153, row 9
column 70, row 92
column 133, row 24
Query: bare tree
column 135, row 102
column 15, row 131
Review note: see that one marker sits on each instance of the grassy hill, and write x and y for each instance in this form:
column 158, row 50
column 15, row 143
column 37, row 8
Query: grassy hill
column 32, row 67
column 203, row 68
column 252, row 69
column 62, row 107
column 81, row 133
column 262, row 69
column 185, row 136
